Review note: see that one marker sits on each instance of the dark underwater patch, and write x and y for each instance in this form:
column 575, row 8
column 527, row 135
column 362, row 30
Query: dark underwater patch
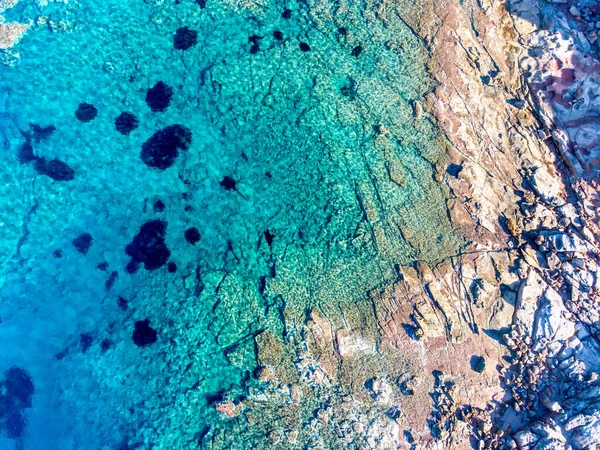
column 185, row 38
column 192, row 235
column 83, row 243
column 18, row 387
column 143, row 334
column 126, row 123
column 269, row 237
column 158, row 97
column 55, row 169
column 356, row 51
column 85, row 339
column 162, row 149
column 148, row 247
column 25, row 153
column 39, row 133
column 86, row 112
column 228, row 183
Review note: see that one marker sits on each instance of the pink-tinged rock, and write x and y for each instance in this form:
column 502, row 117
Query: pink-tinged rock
column 11, row 33
column 228, row 408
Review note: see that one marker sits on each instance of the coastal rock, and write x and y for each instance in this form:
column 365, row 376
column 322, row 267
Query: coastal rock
column 269, row 349
column 546, row 186
column 11, row 33
column 551, row 318
column 528, row 296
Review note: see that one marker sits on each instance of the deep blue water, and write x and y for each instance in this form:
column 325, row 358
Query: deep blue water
column 298, row 195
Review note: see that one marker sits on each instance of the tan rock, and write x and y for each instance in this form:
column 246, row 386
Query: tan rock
column 228, row 408
column 11, row 33
column 269, row 349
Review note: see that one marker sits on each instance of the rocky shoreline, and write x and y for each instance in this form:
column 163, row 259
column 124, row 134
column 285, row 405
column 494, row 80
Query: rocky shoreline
column 497, row 347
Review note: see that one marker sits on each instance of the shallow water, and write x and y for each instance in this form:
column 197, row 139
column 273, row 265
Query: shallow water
column 299, row 132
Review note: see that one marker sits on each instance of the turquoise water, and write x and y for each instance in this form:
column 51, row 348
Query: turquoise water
column 316, row 151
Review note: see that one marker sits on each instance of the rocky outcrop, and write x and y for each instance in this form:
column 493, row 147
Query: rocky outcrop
column 497, row 345
column 10, row 32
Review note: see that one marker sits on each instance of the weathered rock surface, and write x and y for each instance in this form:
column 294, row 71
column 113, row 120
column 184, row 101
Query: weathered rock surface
column 497, row 346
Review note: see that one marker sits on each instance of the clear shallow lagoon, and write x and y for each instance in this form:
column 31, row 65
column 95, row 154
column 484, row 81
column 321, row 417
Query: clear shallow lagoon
column 299, row 132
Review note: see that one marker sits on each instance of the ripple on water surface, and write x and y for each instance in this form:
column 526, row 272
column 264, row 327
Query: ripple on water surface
column 275, row 148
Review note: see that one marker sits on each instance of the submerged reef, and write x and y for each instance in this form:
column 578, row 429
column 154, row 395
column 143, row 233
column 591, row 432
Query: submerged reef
column 56, row 169
column 83, row 243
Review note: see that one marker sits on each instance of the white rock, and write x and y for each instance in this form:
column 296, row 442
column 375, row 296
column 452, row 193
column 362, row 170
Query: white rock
column 530, row 292
column 546, row 186
column 525, row 439
column 563, row 242
column 550, row 320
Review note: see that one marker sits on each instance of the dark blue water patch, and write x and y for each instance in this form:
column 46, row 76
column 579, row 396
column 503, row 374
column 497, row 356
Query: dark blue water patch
column 269, row 237
column 158, row 206
column 126, row 123
column 19, row 387
column 158, row 97
column 16, row 394
column 192, row 235
column 162, row 149
column 39, row 133
column 85, row 340
column 83, row 243
column 148, row 247
column 143, row 334
column 185, row 38
column 86, row 112
column 56, row 169
column 110, row 281
column 106, row 345
column 228, row 183
column 122, row 303
column 25, row 153
column 356, row 51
